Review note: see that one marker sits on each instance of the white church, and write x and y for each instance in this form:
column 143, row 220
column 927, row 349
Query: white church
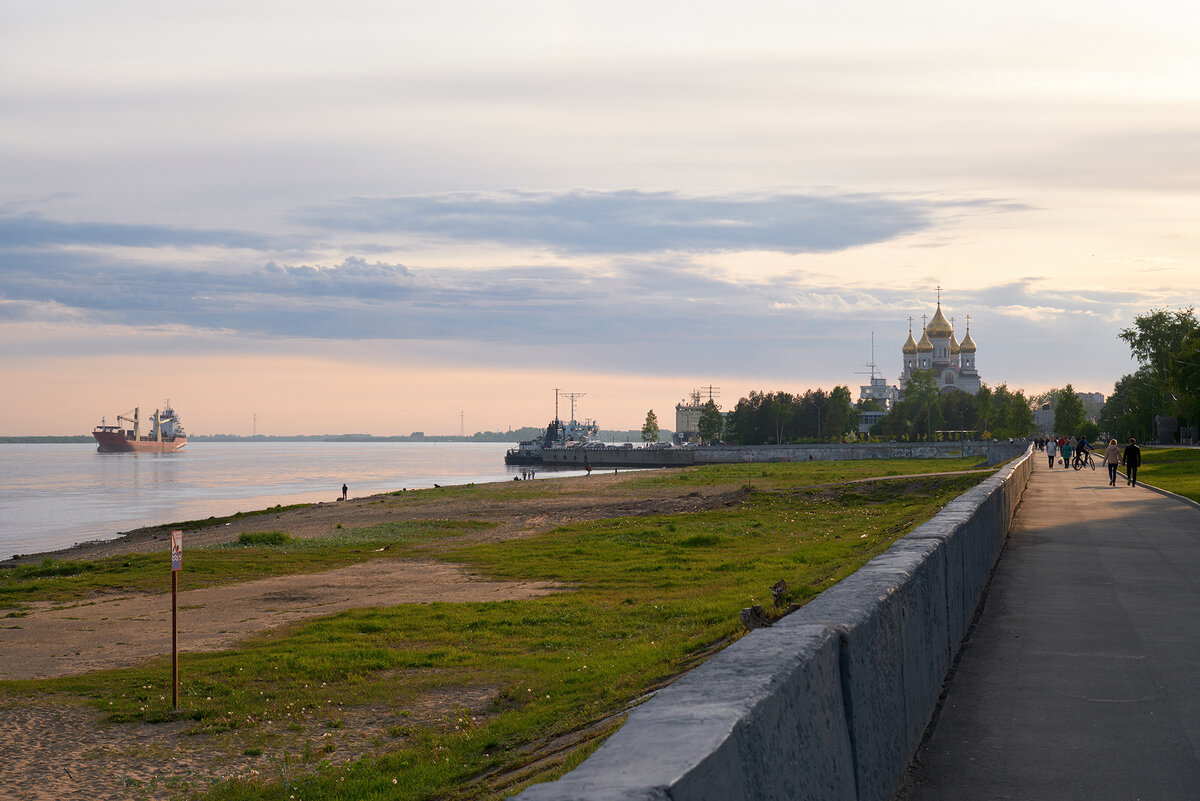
column 939, row 350
column 952, row 362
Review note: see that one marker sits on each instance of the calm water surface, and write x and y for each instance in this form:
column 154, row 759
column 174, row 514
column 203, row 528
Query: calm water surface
column 57, row 495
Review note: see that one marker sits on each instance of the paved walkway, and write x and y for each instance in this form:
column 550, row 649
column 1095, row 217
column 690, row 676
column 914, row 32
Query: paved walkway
column 1081, row 678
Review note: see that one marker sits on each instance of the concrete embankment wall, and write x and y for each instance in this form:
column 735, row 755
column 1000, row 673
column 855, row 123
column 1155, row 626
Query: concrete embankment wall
column 994, row 452
column 831, row 701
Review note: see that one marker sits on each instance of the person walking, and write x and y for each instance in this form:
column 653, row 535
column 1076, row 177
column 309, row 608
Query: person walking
column 1066, row 453
column 345, row 489
column 1112, row 457
column 1133, row 460
column 1051, row 451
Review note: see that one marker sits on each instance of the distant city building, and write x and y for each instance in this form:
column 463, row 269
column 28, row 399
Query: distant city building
column 687, row 414
column 880, row 392
column 1043, row 419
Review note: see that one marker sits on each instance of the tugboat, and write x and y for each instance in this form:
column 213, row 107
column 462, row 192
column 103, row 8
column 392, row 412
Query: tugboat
column 530, row 450
column 166, row 433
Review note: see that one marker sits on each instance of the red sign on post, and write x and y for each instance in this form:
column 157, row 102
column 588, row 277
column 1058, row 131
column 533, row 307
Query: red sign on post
column 176, row 550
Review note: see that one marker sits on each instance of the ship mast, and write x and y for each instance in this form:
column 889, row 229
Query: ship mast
column 572, row 396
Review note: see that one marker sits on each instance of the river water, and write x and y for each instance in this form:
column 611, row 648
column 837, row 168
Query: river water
column 55, row 496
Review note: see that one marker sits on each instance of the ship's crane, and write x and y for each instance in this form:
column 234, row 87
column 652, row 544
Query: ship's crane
column 137, row 426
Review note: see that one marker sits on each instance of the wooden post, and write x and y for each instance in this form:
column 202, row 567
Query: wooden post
column 176, row 566
column 174, row 639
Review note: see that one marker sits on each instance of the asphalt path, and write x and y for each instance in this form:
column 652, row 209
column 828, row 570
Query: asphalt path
column 1081, row 676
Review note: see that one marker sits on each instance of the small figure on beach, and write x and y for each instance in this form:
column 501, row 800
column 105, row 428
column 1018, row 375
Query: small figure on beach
column 345, row 489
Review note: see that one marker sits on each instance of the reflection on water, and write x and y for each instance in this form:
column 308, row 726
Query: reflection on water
column 57, row 495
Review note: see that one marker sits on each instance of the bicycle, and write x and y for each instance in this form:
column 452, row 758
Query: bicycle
column 1084, row 461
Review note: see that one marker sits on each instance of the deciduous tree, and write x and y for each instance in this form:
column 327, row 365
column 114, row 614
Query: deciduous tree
column 710, row 423
column 650, row 427
column 1069, row 414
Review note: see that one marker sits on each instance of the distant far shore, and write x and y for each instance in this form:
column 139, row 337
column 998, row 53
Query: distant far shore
column 484, row 436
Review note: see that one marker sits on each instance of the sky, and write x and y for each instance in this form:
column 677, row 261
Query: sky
column 387, row 217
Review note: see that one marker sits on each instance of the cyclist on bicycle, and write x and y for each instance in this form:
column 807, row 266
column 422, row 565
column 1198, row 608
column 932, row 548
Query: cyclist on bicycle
column 1082, row 450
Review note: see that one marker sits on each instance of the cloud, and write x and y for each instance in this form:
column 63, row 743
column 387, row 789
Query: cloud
column 36, row 231
column 632, row 221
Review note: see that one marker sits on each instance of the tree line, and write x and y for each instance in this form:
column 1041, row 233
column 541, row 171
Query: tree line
column 774, row 418
column 926, row 413
column 1166, row 345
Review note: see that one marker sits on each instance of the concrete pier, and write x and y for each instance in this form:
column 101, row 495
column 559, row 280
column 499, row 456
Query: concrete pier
column 993, row 451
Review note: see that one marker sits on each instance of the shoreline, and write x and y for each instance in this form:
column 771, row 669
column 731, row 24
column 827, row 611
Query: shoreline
column 200, row 531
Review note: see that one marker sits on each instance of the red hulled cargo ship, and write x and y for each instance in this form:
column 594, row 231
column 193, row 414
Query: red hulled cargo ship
column 166, row 434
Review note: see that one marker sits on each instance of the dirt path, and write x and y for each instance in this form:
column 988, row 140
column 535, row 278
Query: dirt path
column 54, row 640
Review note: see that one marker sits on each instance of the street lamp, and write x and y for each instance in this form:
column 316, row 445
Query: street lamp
column 820, row 406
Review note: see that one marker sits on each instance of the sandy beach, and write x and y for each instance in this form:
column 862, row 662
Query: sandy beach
column 54, row 748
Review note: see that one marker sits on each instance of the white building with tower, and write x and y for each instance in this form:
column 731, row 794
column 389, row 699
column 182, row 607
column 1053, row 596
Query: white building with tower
column 688, row 411
column 939, row 350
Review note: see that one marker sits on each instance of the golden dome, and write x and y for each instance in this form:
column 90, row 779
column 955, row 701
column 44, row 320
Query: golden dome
column 925, row 346
column 954, row 348
column 968, row 344
column 910, row 346
column 939, row 327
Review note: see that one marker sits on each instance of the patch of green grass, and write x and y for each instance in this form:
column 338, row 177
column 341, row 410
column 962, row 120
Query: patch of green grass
column 649, row 597
column 777, row 475
column 191, row 525
column 263, row 538
column 263, row 556
column 644, row 599
column 1173, row 469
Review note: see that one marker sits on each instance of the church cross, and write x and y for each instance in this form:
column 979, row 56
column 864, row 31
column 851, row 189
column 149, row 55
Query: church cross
column 939, row 291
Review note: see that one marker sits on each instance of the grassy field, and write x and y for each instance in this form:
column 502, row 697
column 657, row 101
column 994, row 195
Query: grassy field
column 475, row 700
column 257, row 555
column 1174, row 469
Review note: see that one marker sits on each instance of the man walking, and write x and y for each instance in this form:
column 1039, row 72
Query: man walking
column 1132, row 459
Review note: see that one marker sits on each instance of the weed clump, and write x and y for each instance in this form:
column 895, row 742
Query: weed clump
column 252, row 538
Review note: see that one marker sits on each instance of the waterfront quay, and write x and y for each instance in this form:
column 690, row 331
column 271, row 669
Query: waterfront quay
column 1078, row 680
column 598, row 458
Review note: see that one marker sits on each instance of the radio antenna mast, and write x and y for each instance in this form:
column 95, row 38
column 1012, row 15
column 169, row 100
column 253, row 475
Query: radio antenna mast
column 871, row 364
column 572, row 396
